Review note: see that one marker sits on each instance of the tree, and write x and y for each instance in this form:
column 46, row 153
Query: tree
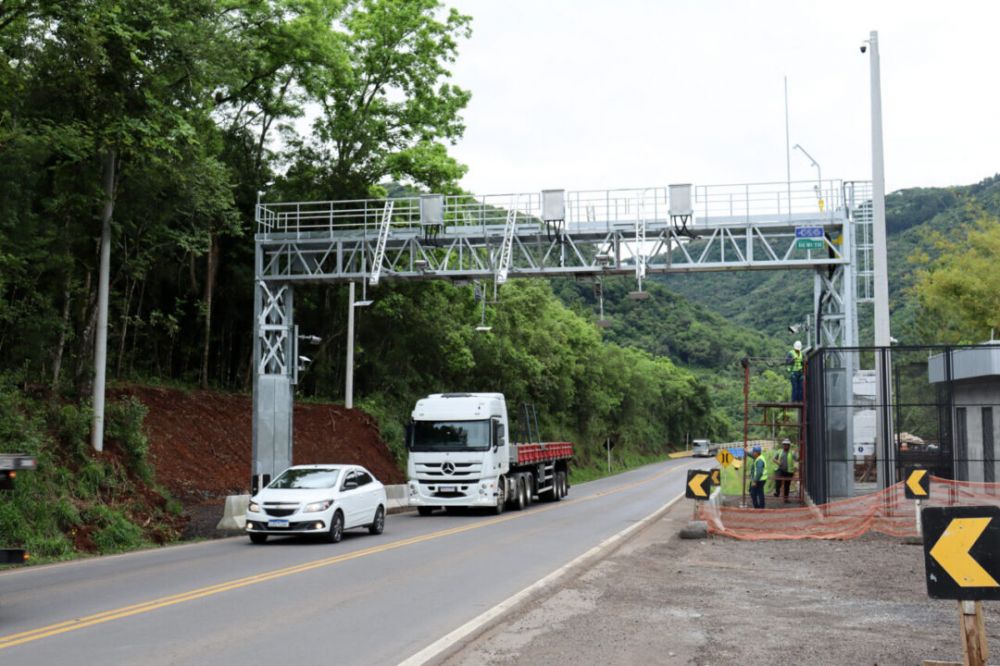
column 387, row 108
column 959, row 291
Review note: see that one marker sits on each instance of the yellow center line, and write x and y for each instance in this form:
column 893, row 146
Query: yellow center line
column 163, row 602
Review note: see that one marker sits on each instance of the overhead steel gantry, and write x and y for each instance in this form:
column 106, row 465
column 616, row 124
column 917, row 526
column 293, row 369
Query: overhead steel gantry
column 554, row 233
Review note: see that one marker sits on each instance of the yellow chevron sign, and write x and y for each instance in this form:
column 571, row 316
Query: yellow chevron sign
column 698, row 484
column 918, row 484
column 952, row 552
column 961, row 552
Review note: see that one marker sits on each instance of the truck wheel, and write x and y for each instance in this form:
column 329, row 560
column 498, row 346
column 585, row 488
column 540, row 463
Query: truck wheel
column 425, row 510
column 563, row 485
column 557, row 487
column 529, row 490
column 519, row 502
column 256, row 537
column 501, row 497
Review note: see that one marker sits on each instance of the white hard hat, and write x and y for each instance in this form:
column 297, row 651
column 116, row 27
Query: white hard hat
column 798, row 345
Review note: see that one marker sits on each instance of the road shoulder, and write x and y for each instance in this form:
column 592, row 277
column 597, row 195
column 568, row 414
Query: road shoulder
column 659, row 599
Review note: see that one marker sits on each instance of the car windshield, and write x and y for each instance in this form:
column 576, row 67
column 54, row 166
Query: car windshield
column 450, row 436
column 306, row 479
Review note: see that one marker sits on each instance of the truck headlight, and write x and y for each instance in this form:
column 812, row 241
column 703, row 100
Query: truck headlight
column 316, row 507
column 254, row 507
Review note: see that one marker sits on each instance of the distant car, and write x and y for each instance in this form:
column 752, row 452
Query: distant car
column 322, row 500
column 701, row 448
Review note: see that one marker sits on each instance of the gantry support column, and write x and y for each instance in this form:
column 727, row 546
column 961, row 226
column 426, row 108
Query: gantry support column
column 275, row 365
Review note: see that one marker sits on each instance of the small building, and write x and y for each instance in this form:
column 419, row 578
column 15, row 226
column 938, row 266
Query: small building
column 974, row 377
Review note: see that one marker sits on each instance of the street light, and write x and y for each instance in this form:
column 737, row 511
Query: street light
column 819, row 174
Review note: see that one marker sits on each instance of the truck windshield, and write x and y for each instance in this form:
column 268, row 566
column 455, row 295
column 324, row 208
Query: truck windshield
column 450, row 436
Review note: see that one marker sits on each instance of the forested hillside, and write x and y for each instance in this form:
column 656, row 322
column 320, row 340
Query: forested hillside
column 915, row 219
column 158, row 126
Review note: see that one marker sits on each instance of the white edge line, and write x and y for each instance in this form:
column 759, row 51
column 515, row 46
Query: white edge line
column 442, row 644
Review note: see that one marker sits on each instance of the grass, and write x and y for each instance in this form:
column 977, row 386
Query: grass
column 623, row 462
column 77, row 502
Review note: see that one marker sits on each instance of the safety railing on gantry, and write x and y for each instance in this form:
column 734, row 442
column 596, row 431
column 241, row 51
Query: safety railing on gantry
column 592, row 210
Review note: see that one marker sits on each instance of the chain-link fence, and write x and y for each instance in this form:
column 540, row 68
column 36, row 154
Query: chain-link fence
column 873, row 412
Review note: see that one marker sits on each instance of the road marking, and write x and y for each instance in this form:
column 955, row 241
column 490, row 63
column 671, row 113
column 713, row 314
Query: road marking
column 440, row 646
column 76, row 624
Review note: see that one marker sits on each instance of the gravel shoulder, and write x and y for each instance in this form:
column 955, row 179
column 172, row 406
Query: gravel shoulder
column 659, row 599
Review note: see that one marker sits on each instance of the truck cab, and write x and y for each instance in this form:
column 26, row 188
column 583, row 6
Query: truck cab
column 459, row 451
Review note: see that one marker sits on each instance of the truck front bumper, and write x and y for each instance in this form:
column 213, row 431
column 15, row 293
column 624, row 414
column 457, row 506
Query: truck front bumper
column 435, row 492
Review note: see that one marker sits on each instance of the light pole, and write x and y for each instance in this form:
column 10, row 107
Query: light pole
column 880, row 265
column 819, row 174
column 349, row 369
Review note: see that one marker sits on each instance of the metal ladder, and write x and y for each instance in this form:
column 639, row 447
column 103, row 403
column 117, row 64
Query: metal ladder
column 527, row 431
column 506, row 249
column 383, row 238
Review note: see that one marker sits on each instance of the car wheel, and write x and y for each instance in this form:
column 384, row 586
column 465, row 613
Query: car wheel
column 257, row 538
column 501, row 496
column 336, row 532
column 378, row 525
column 425, row 510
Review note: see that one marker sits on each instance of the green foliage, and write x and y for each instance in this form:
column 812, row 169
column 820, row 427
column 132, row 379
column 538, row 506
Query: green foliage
column 960, row 289
column 124, row 425
column 75, row 497
column 114, row 532
column 417, row 340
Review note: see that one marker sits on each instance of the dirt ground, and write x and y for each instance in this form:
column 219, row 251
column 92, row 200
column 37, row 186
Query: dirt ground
column 201, row 443
column 663, row 600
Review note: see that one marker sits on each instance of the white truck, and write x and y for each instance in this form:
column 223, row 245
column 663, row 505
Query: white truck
column 461, row 455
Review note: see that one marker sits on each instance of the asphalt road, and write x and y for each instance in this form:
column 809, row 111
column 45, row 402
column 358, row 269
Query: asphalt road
column 366, row 600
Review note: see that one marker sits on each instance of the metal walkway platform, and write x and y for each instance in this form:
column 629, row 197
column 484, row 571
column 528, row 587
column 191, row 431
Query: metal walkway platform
column 552, row 233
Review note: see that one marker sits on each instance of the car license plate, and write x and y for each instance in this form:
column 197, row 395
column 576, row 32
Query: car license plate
column 447, row 489
column 277, row 523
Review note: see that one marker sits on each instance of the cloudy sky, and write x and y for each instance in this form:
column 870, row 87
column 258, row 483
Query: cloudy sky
column 590, row 94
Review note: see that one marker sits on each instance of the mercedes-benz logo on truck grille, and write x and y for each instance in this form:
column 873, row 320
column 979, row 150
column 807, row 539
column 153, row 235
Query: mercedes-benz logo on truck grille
column 448, row 468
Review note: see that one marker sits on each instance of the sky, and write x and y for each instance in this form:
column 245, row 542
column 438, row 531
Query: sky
column 590, row 94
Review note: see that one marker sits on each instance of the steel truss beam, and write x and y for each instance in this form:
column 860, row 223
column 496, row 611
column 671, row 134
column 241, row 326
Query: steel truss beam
column 593, row 234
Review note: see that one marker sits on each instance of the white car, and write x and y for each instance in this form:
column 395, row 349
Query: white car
column 322, row 500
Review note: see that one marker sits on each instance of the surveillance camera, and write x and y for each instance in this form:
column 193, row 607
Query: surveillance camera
column 864, row 47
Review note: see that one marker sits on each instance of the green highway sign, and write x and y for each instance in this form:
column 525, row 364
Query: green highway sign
column 809, row 244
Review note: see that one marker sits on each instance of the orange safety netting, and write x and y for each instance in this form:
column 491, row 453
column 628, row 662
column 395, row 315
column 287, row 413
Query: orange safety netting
column 886, row 511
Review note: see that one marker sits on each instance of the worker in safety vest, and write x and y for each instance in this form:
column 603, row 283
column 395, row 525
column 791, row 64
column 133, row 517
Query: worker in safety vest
column 784, row 460
column 757, row 472
column 794, row 362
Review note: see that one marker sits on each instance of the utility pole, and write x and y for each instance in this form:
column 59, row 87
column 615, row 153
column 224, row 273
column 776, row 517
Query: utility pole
column 882, row 331
column 883, row 363
column 103, row 287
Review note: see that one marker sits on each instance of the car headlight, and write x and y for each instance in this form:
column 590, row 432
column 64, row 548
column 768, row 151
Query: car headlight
column 316, row 507
column 254, row 507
